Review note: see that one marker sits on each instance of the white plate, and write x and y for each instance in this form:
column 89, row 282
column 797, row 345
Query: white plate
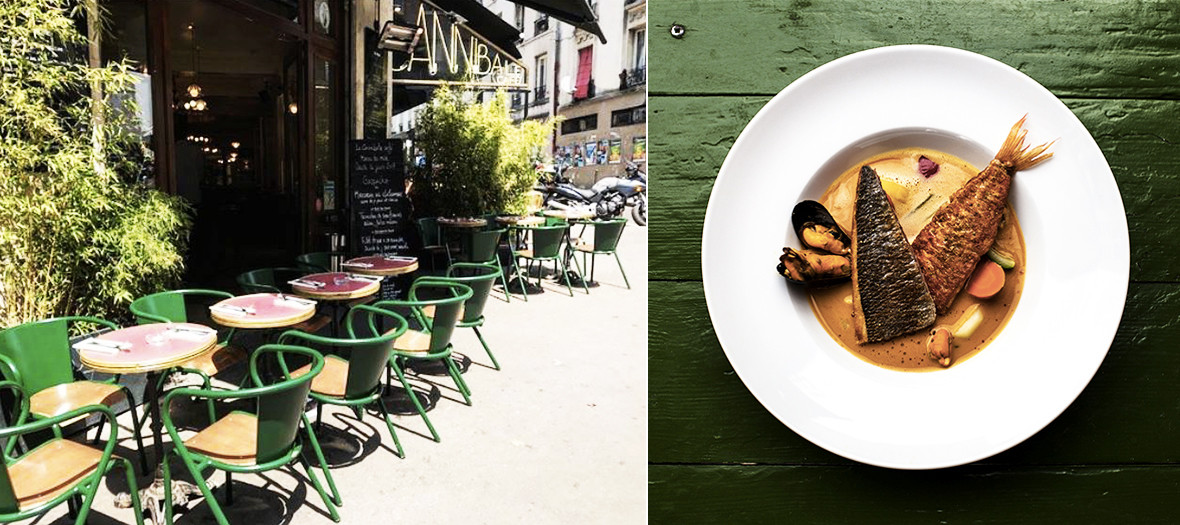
column 1069, row 208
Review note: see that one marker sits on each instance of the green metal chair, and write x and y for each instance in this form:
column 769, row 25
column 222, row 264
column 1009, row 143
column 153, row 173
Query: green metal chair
column 546, row 247
column 318, row 262
column 169, row 307
column 433, row 341
column 269, row 280
column 432, row 240
column 244, row 442
column 479, row 277
column 605, row 242
column 354, row 382
column 485, row 247
column 36, row 355
column 59, row 469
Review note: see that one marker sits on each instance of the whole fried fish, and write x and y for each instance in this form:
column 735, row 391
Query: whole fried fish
column 889, row 295
column 963, row 229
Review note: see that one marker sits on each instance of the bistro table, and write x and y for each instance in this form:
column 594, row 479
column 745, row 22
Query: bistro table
column 336, row 288
column 147, row 349
column 463, row 226
column 262, row 310
column 382, row 265
column 716, row 455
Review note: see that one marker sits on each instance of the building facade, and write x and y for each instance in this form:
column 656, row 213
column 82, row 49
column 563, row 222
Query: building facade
column 599, row 90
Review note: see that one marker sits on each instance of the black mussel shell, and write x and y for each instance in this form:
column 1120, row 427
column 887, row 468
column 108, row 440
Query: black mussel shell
column 818, row 281
column 811, row 212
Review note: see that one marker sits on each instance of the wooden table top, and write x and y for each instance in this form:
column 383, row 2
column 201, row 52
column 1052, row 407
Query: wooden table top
column 526, row 220
column 716, row 455
column 381, row 265
column 462, row 222
column 337, row 286
column 266, row 310
column 149, row 347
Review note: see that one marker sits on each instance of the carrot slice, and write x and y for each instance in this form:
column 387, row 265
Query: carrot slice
column 987, row 280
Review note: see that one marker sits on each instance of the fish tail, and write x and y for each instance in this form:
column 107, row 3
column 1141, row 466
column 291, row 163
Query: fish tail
column 1015, row 155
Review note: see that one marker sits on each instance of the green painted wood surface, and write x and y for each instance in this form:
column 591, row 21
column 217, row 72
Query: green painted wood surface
column 717, row 455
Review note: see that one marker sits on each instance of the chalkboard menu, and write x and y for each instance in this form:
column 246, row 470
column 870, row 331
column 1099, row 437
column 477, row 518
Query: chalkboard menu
column 380, row 210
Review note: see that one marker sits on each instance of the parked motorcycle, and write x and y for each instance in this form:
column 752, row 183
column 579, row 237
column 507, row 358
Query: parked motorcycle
column 607, row 199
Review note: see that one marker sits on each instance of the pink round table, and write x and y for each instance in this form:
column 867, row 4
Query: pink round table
column 347, row 288
column 175, row 343
column 262, row 310
column 381, row 265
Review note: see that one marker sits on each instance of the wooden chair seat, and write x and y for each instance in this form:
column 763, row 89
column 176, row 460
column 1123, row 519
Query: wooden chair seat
column 51, row 469
column 219, row 360
column 332, row 379
column 584, row 246
column 69, row 396
column 413, row 341
column 233, row 439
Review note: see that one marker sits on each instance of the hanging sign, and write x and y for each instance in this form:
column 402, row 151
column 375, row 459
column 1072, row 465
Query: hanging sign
column 450, row 51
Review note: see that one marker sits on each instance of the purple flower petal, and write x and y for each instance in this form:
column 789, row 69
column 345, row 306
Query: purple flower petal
column 927, row 167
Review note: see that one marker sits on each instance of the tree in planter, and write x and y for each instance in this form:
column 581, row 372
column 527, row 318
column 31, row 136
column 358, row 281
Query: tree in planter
column 78, row 234
column 477, row 160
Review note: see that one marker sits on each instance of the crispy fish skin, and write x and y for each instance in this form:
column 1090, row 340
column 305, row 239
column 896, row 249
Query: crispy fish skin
column 889, row 294
column 963, row 229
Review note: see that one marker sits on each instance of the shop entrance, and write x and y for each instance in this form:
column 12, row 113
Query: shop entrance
column 236, row 140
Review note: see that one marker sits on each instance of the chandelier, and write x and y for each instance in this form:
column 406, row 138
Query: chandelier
column 194, row 91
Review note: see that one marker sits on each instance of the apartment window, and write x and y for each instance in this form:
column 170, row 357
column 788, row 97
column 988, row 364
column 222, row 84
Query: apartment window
column 540, row 74
column 585, row 69
column 629, row 116
column 579, row 124
column 639, row 49
column 520, row 18
column 541, row 24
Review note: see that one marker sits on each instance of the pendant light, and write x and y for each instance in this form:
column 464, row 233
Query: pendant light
column 194, row 91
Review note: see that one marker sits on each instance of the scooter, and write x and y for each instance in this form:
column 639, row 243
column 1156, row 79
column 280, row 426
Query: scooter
column 606, row 199
column 638, row 201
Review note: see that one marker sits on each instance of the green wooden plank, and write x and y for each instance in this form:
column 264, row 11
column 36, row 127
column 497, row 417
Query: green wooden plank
column 863, row 494
column 690, row 138
column 699, row 411
column 1083, row 48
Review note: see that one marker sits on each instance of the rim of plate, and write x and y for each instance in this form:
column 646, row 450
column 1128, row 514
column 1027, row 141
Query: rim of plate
column 1028, row 375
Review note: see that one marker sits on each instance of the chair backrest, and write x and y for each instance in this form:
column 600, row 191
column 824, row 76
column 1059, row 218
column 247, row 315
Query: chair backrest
column 607, row 234
column 446, row 308
column 281, row 405
column 478, row 277
column 168, row 306
column 367, row 356
column 484, row 244
column 428, row 229
column 547, row 240
column 270, row 280
column 316, row 262
column 40, row 350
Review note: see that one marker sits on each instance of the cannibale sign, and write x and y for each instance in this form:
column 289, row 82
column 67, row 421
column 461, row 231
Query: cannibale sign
column 451, row 52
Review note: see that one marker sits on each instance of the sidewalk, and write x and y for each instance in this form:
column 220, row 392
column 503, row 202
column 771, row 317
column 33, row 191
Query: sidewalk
column 558, row 436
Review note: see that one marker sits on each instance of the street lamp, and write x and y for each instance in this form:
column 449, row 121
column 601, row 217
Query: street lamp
column 397, row 37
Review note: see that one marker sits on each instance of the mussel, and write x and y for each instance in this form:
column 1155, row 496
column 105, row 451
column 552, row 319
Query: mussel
column 825, row 257
column 816, row 228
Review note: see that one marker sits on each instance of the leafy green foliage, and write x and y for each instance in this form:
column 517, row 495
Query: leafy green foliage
column 477, row 160
column 78, row 235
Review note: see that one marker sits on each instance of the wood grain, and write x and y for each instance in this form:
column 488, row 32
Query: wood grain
column 699, row 411
column 864, row 494
column 690, row 138
column 1076, row 49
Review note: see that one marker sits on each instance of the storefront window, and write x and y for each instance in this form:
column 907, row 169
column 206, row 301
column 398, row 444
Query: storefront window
column 324, row 98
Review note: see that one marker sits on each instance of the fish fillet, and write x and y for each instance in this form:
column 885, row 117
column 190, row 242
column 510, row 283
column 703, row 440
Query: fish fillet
column 889, row 295
column 963, row 229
